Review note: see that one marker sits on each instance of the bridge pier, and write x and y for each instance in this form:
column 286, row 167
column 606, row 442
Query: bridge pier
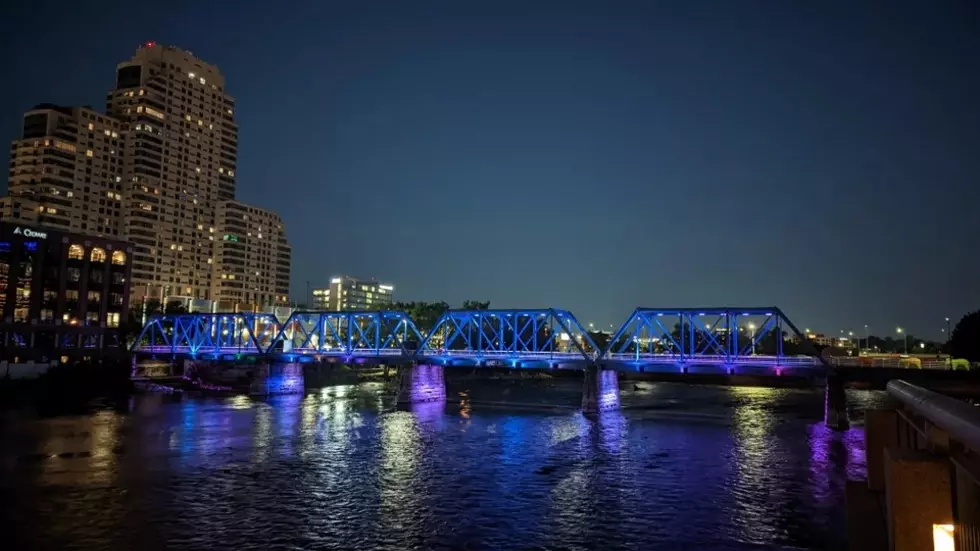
column 835, row 405
column 277, row 378
column 421, row 383
column 600, row 390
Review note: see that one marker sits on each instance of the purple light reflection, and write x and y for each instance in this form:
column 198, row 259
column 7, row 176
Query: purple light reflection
column 428, row 384
column 608, row 390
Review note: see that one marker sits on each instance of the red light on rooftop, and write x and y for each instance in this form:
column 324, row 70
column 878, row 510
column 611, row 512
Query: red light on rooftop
column 150, row 44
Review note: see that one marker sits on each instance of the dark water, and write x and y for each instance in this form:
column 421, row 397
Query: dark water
column 341, row 468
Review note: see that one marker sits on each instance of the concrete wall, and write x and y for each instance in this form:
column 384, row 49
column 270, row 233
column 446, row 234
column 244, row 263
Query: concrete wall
column 421, row 383
column 277, row 378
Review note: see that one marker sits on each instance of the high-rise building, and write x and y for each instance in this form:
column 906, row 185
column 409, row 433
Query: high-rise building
column 157, row 171
column 252, row 257
column 348, row 294
column 65, row 171
column 181, row 157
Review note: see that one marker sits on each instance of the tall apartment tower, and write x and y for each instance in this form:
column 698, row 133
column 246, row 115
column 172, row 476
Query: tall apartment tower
column 65, row 172
column 180, row 159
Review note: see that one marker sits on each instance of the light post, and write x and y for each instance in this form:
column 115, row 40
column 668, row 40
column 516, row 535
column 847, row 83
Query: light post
column 752, row 336
column 867, row 338
column 901, row 332
column 948, row 334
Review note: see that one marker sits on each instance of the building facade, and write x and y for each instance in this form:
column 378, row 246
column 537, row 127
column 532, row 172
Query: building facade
column 347, row 294
column 61, row 294
column 252, row 258
column 181, row 157
column 157, row 171
column 65, row 172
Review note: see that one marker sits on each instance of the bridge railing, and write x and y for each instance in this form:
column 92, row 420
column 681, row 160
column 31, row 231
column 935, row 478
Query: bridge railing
column 924, row 458
column 891, row 362
column 717, row 359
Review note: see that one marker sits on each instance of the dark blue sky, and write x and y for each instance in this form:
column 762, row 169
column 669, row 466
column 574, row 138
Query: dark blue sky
column 595, row 156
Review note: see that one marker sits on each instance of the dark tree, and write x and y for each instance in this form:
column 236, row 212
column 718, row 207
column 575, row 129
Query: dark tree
column 475, row 305
column 965, row 340
column 175, row 307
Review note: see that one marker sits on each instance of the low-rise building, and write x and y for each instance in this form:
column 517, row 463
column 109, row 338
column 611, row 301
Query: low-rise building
column 347, row 294
column 61, row 294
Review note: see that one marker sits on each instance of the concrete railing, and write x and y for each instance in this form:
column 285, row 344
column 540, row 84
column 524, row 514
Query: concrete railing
column 923, row 461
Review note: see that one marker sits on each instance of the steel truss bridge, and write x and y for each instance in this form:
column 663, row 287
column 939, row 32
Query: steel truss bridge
column 671, row 338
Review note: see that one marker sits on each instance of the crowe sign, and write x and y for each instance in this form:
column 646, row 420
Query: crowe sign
column 27, row 232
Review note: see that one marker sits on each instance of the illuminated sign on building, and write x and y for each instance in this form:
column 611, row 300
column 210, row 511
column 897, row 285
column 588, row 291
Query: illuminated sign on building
column 27, row 232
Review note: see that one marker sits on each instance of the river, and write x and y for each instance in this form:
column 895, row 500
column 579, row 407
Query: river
column 690, row 467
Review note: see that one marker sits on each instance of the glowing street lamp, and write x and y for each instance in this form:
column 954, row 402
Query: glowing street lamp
column 752, row 335
column 900, row 331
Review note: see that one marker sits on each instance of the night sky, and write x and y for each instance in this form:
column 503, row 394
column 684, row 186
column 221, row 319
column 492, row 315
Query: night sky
column 820, row 156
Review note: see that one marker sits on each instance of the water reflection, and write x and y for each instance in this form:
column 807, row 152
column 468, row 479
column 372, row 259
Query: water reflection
column 343, row 468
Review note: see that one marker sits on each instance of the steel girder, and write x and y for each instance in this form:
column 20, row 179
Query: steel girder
column 513, row 334
column 709, row 335
column 206, row 333
column 368, row 333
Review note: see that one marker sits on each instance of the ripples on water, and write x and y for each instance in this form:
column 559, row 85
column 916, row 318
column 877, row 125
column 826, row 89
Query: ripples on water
column 341, row 468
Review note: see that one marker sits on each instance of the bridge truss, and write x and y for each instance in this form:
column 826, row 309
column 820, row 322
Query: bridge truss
column 728, row 336
column 514, row 338
column 208, row 334
column 348, row 334
column 509, row 338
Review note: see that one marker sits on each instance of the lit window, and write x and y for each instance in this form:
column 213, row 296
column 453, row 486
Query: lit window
column 192, row 75
column 108, row 132
column 76, row 252
column 64, row 146
column 118, row 258
column 88, row 153
column 98, row 255
column 115, row 135
column 91, row 126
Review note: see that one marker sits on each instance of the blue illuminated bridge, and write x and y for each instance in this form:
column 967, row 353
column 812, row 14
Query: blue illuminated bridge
column 652, row 339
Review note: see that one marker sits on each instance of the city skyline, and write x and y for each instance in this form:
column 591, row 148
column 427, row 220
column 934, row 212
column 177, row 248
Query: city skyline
column 802, row 166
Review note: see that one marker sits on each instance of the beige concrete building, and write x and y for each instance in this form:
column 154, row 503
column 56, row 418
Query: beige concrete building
column 159, row 171
column 252, row 258
column 349, row 294
column 181, row 154
column 65, row 172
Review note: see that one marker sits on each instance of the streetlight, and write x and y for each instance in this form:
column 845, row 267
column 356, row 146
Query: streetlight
column 900, row 332
column 947, row 331
column 752, row 336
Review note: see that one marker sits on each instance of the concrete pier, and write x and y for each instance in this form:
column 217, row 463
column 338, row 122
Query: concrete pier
column 421, row 383
column 600, row 390
column 835, row 409
column 277, row 378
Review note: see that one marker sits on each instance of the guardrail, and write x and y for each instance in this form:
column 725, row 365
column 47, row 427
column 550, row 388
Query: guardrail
column 924, row 459
column 903, row 363
column 759, row 359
